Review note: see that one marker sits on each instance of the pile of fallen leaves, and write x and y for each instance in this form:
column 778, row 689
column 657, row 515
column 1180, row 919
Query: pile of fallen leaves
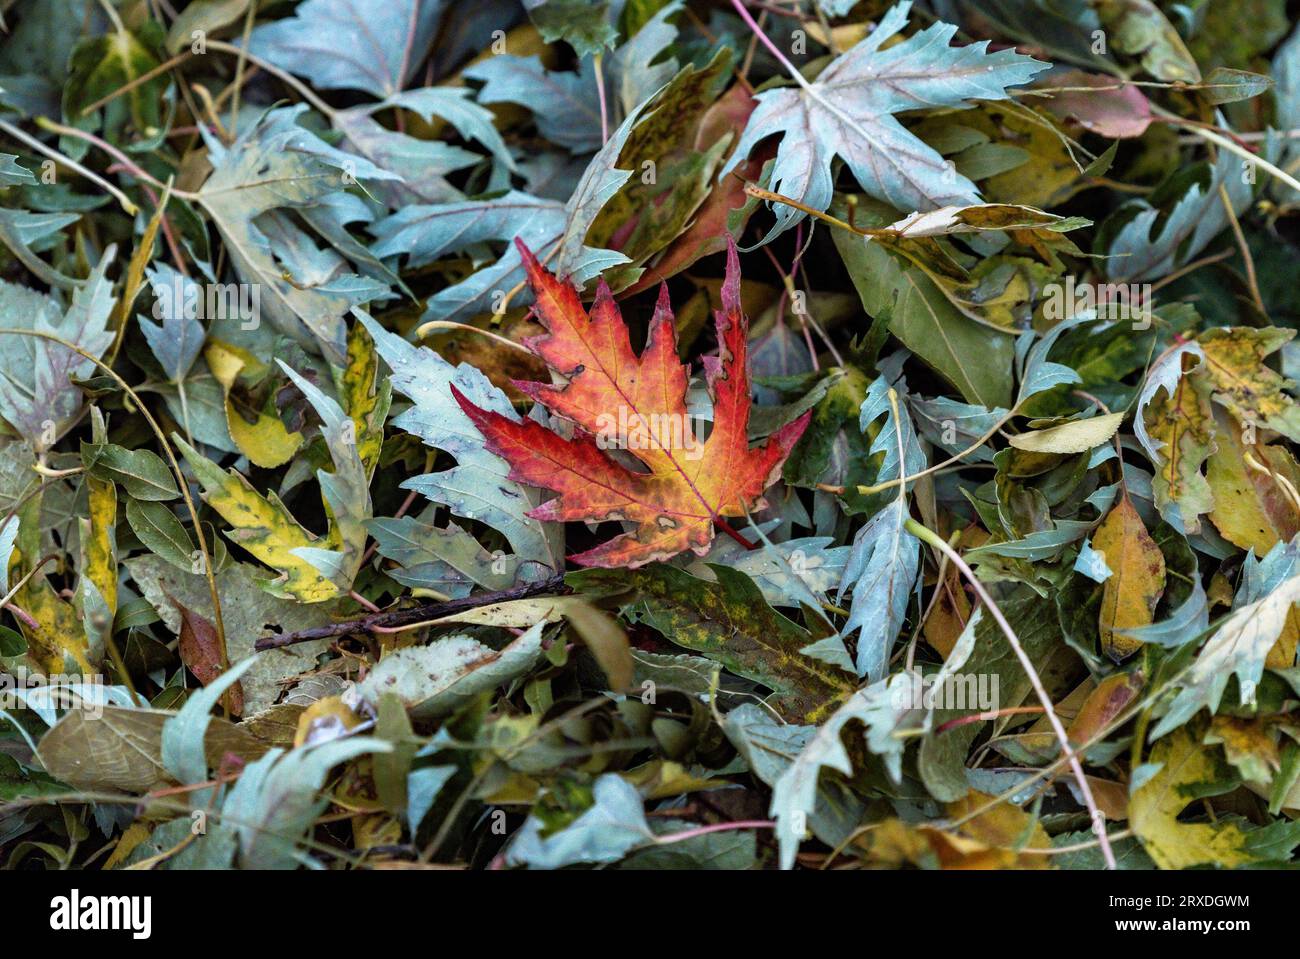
column 654, row 434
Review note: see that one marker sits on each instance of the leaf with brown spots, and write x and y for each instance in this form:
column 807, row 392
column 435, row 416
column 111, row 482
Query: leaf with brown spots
column 1137, row 579
column 1243, row 382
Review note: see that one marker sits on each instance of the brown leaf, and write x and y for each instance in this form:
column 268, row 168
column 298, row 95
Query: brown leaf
column 200, row 650
column 1111, row 697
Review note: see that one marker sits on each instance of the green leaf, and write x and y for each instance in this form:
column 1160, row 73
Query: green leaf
column 370, row 45
column 972, row 357
column 583, row 24
column 1186, row 770
column 276, row 799
column 729, row 622
column 161, row 532
column 41, row 407
column 101, row 66
column 142, row 473
column 613, row 826
column 246, row 609
column 274, row 167
column 1237, row 648
column 182, row 749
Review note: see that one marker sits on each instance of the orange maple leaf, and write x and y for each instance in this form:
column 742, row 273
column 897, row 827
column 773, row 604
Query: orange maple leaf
column 620, row 400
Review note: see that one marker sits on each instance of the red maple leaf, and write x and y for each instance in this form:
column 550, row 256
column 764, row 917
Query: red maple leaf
column 620, row 400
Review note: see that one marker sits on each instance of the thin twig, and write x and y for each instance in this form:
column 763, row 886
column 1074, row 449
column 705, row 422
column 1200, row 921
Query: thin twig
column 30, row 141
column 1098, row 822
column 411, row 615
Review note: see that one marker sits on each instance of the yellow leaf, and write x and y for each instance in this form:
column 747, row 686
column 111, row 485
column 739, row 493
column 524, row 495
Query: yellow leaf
column 264, row 439
column 134, row 279
column 365, row 396
column 1154, row 809
column 949, row 614
column 324, row 717
column 311, row 569
column 992, row 840
column 1137, row 579
column 56, row 642
column 1282, row 655
column 1183, row 425
column 98, row 585
column 1077, row 436
column 264, row 527
column 1242, row 380
column 1253, row 508
column 135, row 834
column 1110, row 698
column 1249, row 744
column 97, row 589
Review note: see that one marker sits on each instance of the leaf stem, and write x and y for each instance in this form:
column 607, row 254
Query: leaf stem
column 131, row 167
column 30, row 141
column 715, row 827
column 433, row 326
column 936, row 541
column 299, row 87
column 772, row 48
column 599, row 63
column 1227, row 144
column 730, row 530
column 137, row 82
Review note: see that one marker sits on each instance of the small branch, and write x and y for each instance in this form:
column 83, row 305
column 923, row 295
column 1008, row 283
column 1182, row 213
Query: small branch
column 412, row 614
column 1231, row 147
